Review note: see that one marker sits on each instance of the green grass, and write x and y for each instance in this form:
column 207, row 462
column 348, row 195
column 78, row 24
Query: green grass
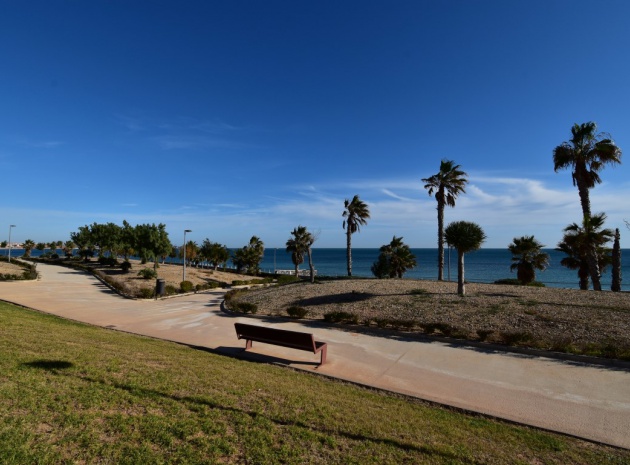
column 71, row 393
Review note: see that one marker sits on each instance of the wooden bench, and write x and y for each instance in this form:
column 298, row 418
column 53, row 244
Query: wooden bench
column 280, row 337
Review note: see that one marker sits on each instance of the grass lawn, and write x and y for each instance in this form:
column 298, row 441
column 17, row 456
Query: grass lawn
column 71, row 393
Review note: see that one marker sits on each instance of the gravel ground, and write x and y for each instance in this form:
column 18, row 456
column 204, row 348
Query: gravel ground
column 549, row 318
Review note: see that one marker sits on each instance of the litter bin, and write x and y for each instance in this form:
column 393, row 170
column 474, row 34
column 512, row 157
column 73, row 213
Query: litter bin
column 160, row 287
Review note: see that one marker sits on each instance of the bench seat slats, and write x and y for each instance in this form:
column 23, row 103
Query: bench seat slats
column 280, row 337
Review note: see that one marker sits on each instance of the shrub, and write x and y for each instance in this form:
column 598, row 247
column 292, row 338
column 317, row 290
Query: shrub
column 484, row 333
column 147, row 273
column 186, row 286
column 246, row 307
column 516, row 338
column 297, row 312
column 146, row 293
column 418, row 292
column 169, row 289
column 107, row 261
column 125, row 266
column 287, row 279
column 341, row 317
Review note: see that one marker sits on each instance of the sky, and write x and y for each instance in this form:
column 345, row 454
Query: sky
column 243, row 118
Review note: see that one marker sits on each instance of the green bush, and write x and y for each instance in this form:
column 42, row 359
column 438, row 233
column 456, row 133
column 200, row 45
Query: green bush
column 169, row 289
column 246, row 307
column 186, row 286
column 146, row 293
column 287, row 279
column 341, row 317
column 297, row 312
column 125, row 266
column 147, row 273
column 419, row 291
column 108, row 261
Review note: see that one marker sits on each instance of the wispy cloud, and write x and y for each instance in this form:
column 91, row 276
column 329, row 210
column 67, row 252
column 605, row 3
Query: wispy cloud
column 183, row 133
column 38, row 144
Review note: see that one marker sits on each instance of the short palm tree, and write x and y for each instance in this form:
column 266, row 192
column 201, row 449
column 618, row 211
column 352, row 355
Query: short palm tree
column 528, row 257
column 587, row 153
column 394, row 260
column 447, row 184
column 465, row 237
column 301, row 244
column 578, row 243
column 356, row 214
column 28, row 246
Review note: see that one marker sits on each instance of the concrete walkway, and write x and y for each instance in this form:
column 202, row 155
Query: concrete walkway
column 585, row 400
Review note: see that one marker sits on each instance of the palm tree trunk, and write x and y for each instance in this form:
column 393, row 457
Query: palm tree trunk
column 440, row 212
column 593, row 269
column 310, row 264
column 461, row 286
column 585, row 199
column 349, row 250
column 615, row 286
column 583, row 275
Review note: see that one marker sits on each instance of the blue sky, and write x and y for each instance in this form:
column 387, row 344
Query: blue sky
column 248, row 118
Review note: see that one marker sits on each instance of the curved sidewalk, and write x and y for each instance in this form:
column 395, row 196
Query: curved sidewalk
column 576, row 398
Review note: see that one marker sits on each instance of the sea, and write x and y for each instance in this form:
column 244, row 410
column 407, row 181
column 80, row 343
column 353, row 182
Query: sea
column 481, row 266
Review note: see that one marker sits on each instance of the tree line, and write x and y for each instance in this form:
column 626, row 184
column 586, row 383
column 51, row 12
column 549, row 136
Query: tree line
column 584, row 242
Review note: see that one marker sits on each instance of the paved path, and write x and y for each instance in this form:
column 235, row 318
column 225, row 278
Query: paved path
column 585, row 400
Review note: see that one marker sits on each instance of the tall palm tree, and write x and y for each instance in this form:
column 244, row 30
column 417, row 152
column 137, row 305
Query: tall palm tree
column 465, row 237
column 356, row 214
column 586, row 154
column 528, row 257
column 579, row 241
column 301, row 244
column 447, row 184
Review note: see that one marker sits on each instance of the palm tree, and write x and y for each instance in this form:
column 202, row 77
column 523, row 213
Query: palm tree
column 301, row 244
column 528, row 257
column 578, row 243
column 250, row 256
column 587, row 153
column 615, row 285
column 465, row 237
column 28, row 246
column 356, row 214
column 447, row 184
column 394, row 260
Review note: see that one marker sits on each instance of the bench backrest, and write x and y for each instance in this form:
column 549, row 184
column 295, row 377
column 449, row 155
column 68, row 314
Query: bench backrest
column 289, row 338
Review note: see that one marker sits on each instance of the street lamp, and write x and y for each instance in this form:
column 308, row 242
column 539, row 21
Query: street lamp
column 10, row 227
column 185, row 231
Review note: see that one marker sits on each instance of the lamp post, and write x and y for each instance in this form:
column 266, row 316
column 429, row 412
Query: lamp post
column 11, row 226
column 185, row 231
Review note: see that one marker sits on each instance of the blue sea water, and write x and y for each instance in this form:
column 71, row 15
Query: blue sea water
column 482, row 266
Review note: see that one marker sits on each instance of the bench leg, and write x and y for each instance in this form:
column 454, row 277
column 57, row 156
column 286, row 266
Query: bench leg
column 323, row 360
column 248, row 344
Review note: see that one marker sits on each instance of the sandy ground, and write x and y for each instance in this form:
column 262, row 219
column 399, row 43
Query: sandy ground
column 544, row 317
